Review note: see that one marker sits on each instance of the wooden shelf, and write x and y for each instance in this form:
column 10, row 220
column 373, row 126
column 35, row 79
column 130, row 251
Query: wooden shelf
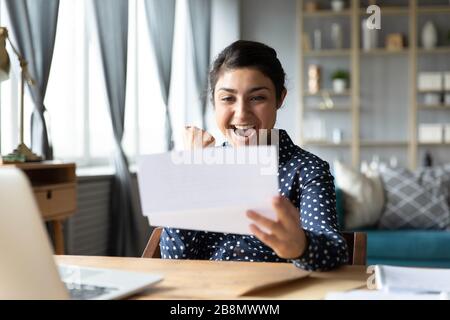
column 432, row 91
column 383, row 52
column 433, row 9
column 330, row 92
column 436, row 50
column 376, row 144
column 327, row 13
column 434, row 107
column 334, row 109
column 390, row 10
column 434, row 144
column 327, row 144
column 328, row 53
column 411, row 55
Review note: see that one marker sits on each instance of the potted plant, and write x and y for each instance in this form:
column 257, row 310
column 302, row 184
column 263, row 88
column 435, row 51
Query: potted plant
column 340, row 80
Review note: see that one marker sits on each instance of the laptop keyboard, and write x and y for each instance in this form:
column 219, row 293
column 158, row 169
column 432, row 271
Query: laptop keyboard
column 79, row 291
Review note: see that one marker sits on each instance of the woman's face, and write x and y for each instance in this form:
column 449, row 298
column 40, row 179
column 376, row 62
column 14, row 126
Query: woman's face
column 245, row 102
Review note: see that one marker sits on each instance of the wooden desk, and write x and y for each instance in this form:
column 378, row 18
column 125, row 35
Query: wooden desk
column 189, row 279
column 54, row 186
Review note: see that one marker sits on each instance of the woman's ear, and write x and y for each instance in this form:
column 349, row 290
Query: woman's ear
column 283, row 95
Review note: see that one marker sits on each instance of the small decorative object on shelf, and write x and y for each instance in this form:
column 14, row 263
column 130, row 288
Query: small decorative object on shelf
column 313, row 79
column 448, row 37
column 336, row 35
column 327, row 102
column 446, row 78
column 429, row 81
column 429, row 36
column 447, row 133
column 394, row 42
column 427, row 159
column 337, row 5
column 447, row 99
column 337, row 135
column 311, row 6
column 340, row 80
column 432, row 99
column 317, row 39
column 430, row 133
column 369, row 37
column 393, row 162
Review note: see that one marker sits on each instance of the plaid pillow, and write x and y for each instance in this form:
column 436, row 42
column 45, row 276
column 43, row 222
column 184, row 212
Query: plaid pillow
column 415, row 200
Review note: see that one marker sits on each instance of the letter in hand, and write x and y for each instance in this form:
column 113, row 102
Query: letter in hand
column 195, row 138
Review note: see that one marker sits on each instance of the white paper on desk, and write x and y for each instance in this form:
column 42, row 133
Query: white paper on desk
column 212, row 194
column 407, row 279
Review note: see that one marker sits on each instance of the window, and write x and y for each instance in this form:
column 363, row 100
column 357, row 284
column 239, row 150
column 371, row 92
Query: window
column 79, row 123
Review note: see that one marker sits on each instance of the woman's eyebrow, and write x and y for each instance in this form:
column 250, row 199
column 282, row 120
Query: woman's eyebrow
column 228, row 90
column 257, row 89
column 249, row 91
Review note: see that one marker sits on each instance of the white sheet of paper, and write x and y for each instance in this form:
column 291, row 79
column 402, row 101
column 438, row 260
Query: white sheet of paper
column 212, row 194
column 394, row 278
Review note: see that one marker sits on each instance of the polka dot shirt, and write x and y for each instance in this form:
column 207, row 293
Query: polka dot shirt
column 306, row 181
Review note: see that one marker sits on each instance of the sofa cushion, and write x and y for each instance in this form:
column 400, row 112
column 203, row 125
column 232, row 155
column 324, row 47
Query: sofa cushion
column 363, row 196
column 408, row 245
column 413, row 202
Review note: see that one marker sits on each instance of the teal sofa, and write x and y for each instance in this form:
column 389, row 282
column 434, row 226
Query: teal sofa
column 419, row 248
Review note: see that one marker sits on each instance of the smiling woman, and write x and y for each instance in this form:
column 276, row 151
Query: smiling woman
column 247, row 89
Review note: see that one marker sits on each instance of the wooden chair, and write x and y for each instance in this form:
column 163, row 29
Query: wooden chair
column 356, row 241
column 152, row 248
column 357, row 247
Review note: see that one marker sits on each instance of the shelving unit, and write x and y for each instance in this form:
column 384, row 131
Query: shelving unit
column 409, row 14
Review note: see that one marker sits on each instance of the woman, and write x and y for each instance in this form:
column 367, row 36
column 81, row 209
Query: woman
column 247, row 89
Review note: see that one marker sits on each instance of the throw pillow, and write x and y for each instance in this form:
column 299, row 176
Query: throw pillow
column 412, row 201
column 363, row 196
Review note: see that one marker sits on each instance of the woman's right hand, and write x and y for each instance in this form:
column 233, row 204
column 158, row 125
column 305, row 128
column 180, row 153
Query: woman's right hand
column 195, row 138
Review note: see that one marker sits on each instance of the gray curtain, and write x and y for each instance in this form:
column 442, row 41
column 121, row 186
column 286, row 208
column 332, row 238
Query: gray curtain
column 200, row 14
column 110, row 18
column 33, row 30
column 161, row 21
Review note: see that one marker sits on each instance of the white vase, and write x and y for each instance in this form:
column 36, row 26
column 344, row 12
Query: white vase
column 369, row 37
column 429, row 35
column 337, row 5
column 336, row 35
column 339, row 85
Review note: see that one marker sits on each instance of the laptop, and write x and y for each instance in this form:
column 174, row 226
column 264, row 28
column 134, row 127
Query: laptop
column 27, row 267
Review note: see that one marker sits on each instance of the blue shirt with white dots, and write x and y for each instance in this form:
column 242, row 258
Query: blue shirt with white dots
column 306, row 181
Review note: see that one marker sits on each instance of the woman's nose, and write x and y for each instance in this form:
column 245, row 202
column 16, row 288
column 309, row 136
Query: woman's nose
column 241, row 109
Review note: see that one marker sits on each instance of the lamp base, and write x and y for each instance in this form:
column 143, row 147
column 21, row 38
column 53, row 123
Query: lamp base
column 21, row 154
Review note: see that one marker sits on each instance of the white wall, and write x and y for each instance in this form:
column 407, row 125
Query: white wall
column 274, row 23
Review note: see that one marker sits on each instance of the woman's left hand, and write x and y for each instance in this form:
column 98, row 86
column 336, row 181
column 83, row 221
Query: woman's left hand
column 285, row 237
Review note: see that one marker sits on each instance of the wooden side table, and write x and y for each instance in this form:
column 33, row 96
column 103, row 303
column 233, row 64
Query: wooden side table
column 54, row 185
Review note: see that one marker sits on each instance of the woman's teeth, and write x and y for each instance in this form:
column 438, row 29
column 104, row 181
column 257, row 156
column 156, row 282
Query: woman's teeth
column 244, row 130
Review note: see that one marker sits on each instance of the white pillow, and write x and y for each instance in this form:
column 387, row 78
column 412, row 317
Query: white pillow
column 363, row 195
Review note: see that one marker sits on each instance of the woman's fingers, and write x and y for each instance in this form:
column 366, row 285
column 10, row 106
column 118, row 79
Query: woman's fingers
column 273, row 227
column 269, row 239
column 286, row 212
column 195, row 138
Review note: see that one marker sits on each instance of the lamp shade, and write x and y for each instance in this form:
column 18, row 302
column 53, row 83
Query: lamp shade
column 5, row 64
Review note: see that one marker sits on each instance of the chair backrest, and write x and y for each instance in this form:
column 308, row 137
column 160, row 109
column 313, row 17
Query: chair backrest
column 356, row 241
column 357, row 247
column 152, row 249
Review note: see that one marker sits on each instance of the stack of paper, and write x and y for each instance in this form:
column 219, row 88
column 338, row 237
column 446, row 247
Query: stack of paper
column 414, row 280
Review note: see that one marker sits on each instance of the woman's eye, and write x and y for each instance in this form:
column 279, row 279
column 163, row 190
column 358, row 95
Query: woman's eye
column 227, row 99
column 258, row 98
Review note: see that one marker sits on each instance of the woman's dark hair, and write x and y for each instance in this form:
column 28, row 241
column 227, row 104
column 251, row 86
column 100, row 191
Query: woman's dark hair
column 249, row 54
